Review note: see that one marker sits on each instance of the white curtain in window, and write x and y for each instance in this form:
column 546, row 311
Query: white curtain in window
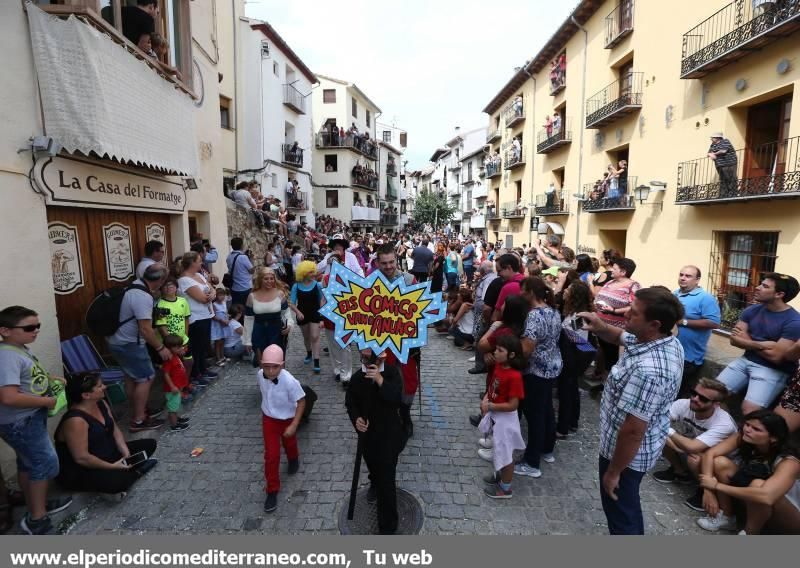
column 97, row 97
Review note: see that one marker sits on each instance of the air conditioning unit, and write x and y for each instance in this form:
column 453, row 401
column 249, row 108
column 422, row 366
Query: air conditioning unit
column 264, row 49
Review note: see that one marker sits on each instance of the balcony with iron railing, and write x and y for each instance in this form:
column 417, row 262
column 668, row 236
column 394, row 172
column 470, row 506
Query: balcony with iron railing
column 550, row 140
column 514, row 159
column 512, row 210
column 493, row 169
column 493, row 135
column 514, row 113
column 492, row 213
column 391, row 169
column 389, row 219
column 765, row 171
column 602, row 199
column 739, row 28
column 297, row 200
column 359, row 144
column 614, row 101
column 294, row 99
column 619, row 23
column 365, row 179
column 553, row 203
column 292, row 155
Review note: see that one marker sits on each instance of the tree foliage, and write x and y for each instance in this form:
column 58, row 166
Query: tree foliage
column 434, row 208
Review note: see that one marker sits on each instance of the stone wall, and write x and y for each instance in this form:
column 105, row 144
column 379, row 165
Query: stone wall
column 242, row 223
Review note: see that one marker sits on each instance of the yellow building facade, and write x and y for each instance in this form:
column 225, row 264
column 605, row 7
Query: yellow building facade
column 649, row 83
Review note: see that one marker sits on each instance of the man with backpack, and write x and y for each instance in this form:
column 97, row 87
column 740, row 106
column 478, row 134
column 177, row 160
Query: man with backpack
column 239, row 279
column 128, row 344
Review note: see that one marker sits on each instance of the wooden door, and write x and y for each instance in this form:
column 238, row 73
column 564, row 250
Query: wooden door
column 766, row 126
column 90, row 227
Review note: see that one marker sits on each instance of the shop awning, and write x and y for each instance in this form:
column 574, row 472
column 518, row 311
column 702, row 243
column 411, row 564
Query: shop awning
column 99, row 98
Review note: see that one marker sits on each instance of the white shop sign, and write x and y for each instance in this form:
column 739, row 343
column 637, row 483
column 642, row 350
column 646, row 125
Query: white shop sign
column 65, row 257
column 119, row 255
column 157, row 232
column 71, row 181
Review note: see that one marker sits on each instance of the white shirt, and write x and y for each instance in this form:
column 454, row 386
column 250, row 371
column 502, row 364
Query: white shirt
column 232, row 338
column 142, row 266
column 710, row 431
column 350, row 262
column 199, row 310
column 280, row 401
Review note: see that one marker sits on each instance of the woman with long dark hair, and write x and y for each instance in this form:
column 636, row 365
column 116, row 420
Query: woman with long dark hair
column 766, row 478
column 540, row 346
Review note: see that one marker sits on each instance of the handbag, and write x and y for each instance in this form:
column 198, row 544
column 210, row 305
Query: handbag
column 227, row 278
column 576, row 352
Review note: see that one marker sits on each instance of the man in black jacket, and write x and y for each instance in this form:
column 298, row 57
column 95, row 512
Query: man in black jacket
column 373, row 403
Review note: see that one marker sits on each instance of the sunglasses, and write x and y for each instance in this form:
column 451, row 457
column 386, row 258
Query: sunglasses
column 700, row 397
column 28, row 328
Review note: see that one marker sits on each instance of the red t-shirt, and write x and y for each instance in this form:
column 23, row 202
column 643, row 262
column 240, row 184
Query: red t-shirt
column 509, row 288
column 507, row 384
column 177, row 373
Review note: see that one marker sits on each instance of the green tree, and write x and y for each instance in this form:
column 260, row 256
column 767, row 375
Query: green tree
column 434, row 208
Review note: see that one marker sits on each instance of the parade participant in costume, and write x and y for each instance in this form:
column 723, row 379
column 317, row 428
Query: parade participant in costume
column 342, row 357
column 373, row 401
column 305, row 301
column 387, row 264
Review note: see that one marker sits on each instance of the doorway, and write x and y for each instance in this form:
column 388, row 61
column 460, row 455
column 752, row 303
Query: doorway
column 613, row 239
column 767, row 130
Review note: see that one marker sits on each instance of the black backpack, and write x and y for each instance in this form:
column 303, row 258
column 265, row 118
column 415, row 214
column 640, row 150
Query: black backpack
column 102, row 316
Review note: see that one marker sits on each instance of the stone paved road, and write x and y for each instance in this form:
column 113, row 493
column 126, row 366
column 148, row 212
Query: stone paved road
column 222, row 491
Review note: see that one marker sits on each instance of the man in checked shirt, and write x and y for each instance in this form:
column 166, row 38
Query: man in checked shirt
column 634, row 412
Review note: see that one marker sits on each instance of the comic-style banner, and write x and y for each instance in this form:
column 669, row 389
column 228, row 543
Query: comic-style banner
column 378, row 314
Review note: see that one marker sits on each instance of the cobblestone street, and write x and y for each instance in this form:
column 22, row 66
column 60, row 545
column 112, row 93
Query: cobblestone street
column 222, row 491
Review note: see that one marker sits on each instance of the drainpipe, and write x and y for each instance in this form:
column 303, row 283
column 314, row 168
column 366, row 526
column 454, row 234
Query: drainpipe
column 530, row 143
column 582, row 122
column 235, row 86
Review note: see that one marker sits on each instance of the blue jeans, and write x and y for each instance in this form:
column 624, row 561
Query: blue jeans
column 452, row 279
column 624, row 515
column 469, row 270
column 29, row 438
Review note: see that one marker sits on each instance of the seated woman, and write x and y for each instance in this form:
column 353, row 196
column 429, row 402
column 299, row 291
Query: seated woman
column 766, row 477
column 91, row 448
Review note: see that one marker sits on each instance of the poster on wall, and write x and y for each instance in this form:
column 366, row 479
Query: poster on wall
column 65, row 257
column 119, row 255
column 157, row 232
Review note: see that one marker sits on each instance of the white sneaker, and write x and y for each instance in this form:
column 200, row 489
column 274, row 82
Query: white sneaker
column 721, row 522
column 486, row 442
column 742, row 533
column 526, row 470
column 548, row 458
column 486, row 454
column 471, row 359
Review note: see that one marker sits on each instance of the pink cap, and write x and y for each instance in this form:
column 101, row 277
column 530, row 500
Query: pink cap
column 272, row 355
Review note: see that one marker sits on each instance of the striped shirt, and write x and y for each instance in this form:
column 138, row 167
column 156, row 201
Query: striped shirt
column 726, row 159
column 643, row 384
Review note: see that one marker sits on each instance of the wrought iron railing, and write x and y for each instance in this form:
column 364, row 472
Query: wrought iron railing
column 619, row 95
column 297, row 200
column 550, row 139
column 292, row 155
column 513, row 210
column 619, row 23
column 391, row 170
column 389, row 219
column 514, row 113
column 365, row 178
column 763, row 171
column 492, row 212
column 493, row 168
column 294, row 99
column 552, row 203
column 493, row 135
column 514, row 158
column 604, row 197
column 360, row 144
column 732, row 27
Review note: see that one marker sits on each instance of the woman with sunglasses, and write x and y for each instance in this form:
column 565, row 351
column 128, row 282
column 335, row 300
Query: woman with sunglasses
column 91, row 448
column 766, row 478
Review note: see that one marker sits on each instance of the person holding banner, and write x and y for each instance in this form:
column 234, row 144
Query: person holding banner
column 373, row 402
column 387, row 264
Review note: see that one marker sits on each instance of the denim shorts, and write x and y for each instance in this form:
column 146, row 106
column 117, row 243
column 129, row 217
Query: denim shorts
column 763, row 384
column 134, row 360
column 29, row 438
